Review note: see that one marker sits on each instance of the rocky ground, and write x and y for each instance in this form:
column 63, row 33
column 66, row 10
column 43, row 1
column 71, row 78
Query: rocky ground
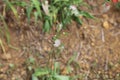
column 95, row 45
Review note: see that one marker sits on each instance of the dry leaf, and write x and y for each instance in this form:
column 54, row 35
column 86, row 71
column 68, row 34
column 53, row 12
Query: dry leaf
column 45, row 7
column 6, row 56
column 105, row 16
column 106, row 25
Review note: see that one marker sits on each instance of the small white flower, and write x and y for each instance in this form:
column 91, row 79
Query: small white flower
column 73, row 7
column 105, row 8
column 74, row 10
column 57, row 43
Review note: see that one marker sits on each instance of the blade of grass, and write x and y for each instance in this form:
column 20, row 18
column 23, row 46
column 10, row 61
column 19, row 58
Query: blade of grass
column 46, row 26
column 6, row 29
column 86, row 14
column 13, row 47
column 12, row 8
column 37, row 6
column 29, row 10
column 72, row 58
column 19, row 3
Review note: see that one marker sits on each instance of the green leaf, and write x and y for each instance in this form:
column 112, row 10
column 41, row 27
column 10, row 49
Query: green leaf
column 34, row 77
column 36, row 17
column 29, row 10
column 56, row 68
column 7, row 34
column 46, row 26
column 72, row 58
column 118, row 5
column 41, row 72
column 32, row 60
column 37, row 6
column 86, row 14
column 19, row 3
column 58, row 1
column 12, row 8
column 61, row 77
column 11, row 65
column 77, row 19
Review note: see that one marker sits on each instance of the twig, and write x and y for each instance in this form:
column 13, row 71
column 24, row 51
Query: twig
column 3, row 49
column 115, row 34
column 79, row 51
column 102, row 35
column 87, row 74
column 106, row 63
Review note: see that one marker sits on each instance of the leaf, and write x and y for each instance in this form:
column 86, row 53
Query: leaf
column 12, row 7
column 86, row 14
column 72, row 58
column 19, row 3
column 45, row 7
column 117, row 5
column 31, row 60
column 1, row 44
column 78, row 20
column 46, row 26
column 61, row 77
column 6, row 29
column 37, row 6
column 56, row 68
column 29, row 10
column 58, row 1
column 34, row 77
column 36, row 17
column 41, row 72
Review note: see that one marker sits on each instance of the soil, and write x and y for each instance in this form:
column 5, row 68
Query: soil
column 96, row 45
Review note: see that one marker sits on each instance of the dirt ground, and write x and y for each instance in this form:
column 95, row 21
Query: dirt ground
column 96, row 45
